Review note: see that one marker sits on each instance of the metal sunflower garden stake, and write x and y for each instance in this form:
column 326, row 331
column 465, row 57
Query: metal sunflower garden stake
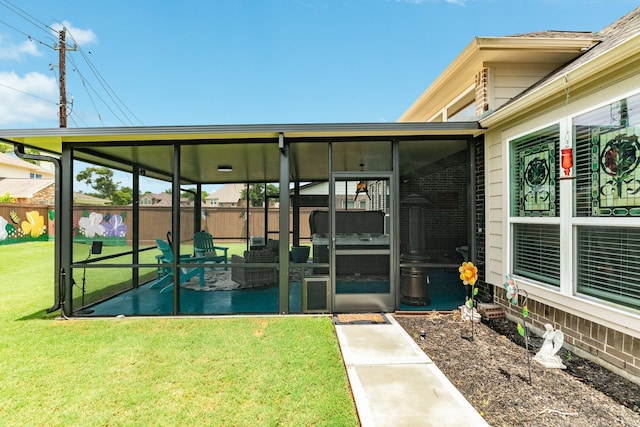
column 512, row 295
column 469, row 276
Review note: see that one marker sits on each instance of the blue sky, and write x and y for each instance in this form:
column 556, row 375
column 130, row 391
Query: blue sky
column 146, row 62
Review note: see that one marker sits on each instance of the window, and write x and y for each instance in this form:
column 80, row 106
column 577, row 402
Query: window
column 535, row 195
column 608, row 160
column 35, row 175
column 609, row 264
column 534, row 182
column 607, row 188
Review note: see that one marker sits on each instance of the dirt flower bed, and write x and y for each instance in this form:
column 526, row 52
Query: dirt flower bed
column 492, row 373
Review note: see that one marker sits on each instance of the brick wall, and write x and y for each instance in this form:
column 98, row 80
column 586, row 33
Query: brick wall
column 482, row 92
column 612, row 349
column 45, row 196
column 485, row 291
column 446, row 215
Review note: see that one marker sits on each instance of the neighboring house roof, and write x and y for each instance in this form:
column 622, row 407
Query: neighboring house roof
column 10, row 163
column 23, row 188
column 164, row 199
column 229, row 193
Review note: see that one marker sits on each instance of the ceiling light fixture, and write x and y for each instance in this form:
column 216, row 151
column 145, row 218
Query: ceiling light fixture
column 225, row 168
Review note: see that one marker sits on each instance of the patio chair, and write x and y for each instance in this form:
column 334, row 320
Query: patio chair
column 252, row 277
column 165, row 279
column 203, row 246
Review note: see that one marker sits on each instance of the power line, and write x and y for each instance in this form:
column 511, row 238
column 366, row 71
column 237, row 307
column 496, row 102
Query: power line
column 110, row 92
column 30, row 37
column 26, row 16
column 97, row 94
column 29, row 94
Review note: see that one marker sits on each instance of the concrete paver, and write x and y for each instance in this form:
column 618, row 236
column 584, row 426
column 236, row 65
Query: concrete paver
column 394, row 383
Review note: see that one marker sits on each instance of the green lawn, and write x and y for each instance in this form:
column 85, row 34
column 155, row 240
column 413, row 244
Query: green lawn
column 270, row 371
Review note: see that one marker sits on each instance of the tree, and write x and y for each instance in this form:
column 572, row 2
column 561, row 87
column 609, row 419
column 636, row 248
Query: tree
column 256, row 193
column 101, row 180
column 123, row 196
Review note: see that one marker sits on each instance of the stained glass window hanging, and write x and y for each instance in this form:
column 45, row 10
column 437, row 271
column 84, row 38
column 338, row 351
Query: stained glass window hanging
column 609, row 166
column 535, row 178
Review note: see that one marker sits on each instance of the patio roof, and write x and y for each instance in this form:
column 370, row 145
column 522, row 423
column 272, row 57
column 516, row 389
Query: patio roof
column 251, row 150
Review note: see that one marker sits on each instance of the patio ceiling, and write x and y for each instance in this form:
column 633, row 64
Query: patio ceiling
column 251, row 150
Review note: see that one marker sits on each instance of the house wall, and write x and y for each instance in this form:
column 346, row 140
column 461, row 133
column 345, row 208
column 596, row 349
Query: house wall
column 45, row 196
column 506, row 81
column 606, row 333
column 12, row 171
column 446, row 217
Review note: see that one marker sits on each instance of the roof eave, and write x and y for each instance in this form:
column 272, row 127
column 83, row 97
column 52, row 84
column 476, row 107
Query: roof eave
column 541, row 95
column 51, row 139
column 465, row 66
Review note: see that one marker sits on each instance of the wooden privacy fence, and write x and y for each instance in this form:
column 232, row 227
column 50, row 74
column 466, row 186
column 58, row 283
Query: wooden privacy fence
column 113, row 224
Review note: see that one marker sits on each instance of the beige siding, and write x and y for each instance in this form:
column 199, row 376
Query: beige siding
column 495, row 211
column 509, row 80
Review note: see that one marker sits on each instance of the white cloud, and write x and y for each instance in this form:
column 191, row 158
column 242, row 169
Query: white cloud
column 13, row 51
column 27, row 99
column 77, row 35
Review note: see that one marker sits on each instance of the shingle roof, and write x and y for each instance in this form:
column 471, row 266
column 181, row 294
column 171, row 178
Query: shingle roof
column 608, row 38
column 23, row 187
column 556, row 34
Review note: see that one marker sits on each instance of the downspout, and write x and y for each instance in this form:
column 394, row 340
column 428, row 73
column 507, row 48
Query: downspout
column 19, row 151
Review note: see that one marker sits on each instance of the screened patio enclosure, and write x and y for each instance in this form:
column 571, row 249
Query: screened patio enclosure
column 341, row 193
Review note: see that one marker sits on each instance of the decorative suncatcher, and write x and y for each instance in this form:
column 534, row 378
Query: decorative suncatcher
column 536, row 180
column 616, row 178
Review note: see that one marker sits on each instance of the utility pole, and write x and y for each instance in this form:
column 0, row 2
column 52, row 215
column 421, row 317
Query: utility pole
column 62, row 48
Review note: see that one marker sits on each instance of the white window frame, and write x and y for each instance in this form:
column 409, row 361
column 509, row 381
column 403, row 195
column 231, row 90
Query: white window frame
column 566, row 298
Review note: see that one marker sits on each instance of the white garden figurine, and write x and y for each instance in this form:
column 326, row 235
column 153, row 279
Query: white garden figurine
column 547, row 356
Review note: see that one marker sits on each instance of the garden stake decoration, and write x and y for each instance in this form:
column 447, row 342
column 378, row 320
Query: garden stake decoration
column 512, row 295
column 469, row 276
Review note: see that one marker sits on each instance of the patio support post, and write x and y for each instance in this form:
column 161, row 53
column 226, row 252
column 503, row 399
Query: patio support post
column 471, row 200
column 175, row 227
column 135, row 223
column 283, row 291
column 296, row 213
column 197, row 209
column 394, row 223
column 64, row 219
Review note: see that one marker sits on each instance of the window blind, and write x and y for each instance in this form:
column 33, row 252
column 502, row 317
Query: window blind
column 609, row 264
column 537, row 252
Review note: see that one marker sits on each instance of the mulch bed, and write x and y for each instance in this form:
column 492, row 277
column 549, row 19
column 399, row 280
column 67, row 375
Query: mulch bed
column 492, row 372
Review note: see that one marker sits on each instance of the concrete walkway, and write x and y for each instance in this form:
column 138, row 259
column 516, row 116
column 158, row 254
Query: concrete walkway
column 395, row 384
